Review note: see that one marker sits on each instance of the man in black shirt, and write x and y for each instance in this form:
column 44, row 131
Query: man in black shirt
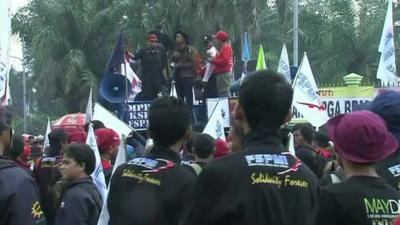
column 361, row 139
column 163, row 38
column 153, row 62
column 47, row 173
column 19, row 194
column 263, row 183
column 304, row 151
column 155, row 188
column 387, row 106
column 203, row 150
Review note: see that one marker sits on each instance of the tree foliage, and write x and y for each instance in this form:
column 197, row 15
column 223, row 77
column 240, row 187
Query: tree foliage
column 68, row 42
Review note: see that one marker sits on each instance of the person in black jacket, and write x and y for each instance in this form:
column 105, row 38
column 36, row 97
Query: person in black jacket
column 153, row 64
column 361, row 139
column 263, row 183
column 47, row 172
column 81, row 203
column 304, row 151
column 203, row 150
column 19, row 194
column 387, row 106
column 155, row 188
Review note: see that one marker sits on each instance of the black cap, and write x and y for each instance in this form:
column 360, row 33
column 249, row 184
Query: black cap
column 207, row 38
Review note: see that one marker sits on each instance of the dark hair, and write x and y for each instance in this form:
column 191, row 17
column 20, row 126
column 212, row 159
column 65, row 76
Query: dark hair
column 83, row 155
column 8, row 113
column 36, row 151
column 238, row 131
column 169, row 120
column 322, row 139
column 306, row 131
column 266, row 98
column 155, row 32
column 203, row 146
column 190, row 143
column 158, row 26
column 17, row 147
column 56, row 138
column 284, row 135
column 97, row 124
column 184, row 35
column 207, row 39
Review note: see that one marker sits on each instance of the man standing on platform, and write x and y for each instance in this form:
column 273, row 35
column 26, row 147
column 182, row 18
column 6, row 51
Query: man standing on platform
column 223, row 63
column 153, row 63
column 187, row 64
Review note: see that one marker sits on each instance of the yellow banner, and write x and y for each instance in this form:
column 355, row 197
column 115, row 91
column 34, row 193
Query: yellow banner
column 346, row 92
column 340, row 100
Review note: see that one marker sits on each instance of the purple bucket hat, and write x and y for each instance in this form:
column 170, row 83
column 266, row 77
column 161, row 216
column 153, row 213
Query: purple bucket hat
column 361, row 137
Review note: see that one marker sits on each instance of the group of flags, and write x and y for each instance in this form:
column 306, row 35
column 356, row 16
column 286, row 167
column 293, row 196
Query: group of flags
column 119, row 63
column 306, row 97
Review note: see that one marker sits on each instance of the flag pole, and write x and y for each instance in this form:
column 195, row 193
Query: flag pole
column 212, row 113
column 123, row 24
column 295, row 32
column 126, row 81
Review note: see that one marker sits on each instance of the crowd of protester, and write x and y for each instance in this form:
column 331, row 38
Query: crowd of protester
column 347, row 172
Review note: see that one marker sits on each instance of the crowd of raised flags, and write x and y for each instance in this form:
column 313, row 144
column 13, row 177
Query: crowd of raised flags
column 306, row 99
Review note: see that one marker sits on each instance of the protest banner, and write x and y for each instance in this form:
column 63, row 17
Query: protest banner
column 340, row 100
column 136, row 115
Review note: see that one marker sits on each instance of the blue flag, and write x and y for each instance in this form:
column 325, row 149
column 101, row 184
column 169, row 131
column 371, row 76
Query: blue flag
column 246, row 49
column 117, row 57
column 245, row 56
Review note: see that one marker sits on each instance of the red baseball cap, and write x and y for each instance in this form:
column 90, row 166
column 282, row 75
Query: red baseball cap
column 106, row 138
column 221, row 148
column 77, row 137
column 221, row 36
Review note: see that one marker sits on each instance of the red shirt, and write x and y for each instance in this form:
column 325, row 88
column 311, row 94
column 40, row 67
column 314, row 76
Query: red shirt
column 324, row 152
column 106, row 164
column 224, row 60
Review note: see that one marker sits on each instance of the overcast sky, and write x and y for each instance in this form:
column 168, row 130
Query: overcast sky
column 16, row 4
column 16, row 46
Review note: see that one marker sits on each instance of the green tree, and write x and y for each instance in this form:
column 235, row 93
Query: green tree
column 68, row 42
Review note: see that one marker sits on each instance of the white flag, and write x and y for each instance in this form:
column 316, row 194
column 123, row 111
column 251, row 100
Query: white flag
column 387, row 63
column 306, row 98
column 98, row 175
column 195, row 102
column 121, row 159
column 209, row 70
column 89, row 108
column 173, row 90
column 46, row 138
column 284, row 67
column 215, row 125
column 109, row 120
column 291, row 144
